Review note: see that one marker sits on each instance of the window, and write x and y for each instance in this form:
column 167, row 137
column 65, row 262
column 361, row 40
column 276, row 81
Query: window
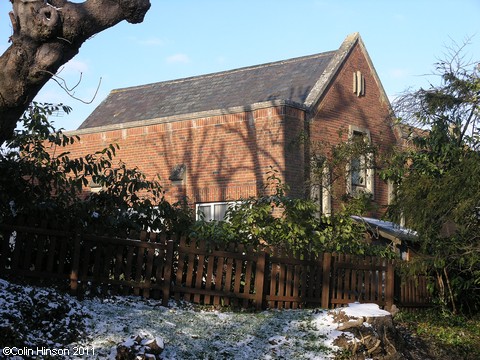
column 360, row 172
column 212, row 211
column 320, row 189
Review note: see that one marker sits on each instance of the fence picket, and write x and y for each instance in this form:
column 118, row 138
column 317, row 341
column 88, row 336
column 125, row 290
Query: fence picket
column 218, row 283
column 288, row 285
column 274, row 276
column 118, row 262
column 237, row 281
column 167, row 273
column 260, row 277
column 181, row 266
column 389, row 287
column 345, row 293
column 228, row 286
column 281, row 282
column 128, row 267
column 326, row 283
column 190, row 272
column 198, row 271
column 369, row 293
column 148, row 272
column 303, row 290
column 296, row 284
column 308, row 281
column 247, row 281
column 209, row 277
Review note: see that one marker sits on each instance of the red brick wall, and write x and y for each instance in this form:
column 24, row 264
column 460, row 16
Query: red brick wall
column 341, row 107
column 227, row 157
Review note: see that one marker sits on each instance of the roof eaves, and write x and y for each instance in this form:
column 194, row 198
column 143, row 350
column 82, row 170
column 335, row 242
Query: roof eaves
column 188, row 116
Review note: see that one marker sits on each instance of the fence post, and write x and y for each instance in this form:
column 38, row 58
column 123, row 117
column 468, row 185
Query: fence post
column 167, row 280
column 390, row 285
column 75, row 266
column 260, row 279
column 326, row 269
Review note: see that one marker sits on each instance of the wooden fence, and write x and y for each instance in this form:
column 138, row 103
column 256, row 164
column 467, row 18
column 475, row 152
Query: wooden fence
column 363, row 279
column 297, row 280
column 220, row 275
column 38, row 252
column 123, row 266
column 412, row 291
column 188, row 269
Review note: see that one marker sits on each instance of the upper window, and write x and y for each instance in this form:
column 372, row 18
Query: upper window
column 360, row 172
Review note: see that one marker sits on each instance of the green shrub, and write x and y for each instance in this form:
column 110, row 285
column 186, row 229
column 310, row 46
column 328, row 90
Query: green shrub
column 279, row 220
column 40, row 180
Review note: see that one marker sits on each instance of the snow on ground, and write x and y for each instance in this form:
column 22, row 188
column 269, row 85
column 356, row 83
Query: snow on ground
column 365, row 310
column 33, row 317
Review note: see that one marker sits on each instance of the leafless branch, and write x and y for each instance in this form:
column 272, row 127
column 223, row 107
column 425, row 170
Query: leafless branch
column 64, row 86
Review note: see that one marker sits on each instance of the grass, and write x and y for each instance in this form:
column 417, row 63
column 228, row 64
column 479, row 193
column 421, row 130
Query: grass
column 457, row 335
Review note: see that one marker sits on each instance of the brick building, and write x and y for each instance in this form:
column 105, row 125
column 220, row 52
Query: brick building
column 213, row 138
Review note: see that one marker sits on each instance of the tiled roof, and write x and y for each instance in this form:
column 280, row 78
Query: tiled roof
column 292, row 81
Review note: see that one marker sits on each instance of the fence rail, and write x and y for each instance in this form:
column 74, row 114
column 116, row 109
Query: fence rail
column 189, row 269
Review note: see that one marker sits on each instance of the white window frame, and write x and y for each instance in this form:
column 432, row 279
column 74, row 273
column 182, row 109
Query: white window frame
column 369, row 186
column 212, row 209
column 320, row 192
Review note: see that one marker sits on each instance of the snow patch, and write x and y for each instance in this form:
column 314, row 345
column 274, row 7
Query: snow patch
column 363, row 310
column 181, row 331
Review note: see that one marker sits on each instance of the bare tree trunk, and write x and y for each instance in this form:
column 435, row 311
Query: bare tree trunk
column 46, row 35
column 450, row 292
column 441, row 287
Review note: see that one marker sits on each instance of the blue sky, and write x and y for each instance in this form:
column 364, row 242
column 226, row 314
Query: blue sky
column 191, row 37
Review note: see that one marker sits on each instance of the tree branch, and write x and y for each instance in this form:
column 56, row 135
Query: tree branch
column 64, row 86
column 46, row 35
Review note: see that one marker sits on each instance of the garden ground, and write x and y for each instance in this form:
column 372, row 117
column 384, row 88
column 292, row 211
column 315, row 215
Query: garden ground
column 32, row 317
